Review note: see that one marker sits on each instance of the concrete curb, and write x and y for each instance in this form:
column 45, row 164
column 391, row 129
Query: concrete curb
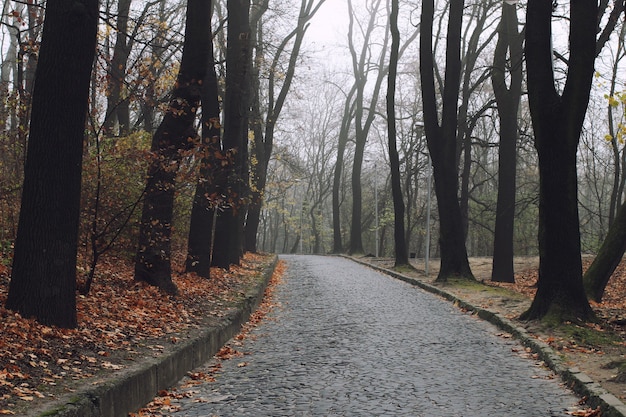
column 579, row 382
column 122, row 395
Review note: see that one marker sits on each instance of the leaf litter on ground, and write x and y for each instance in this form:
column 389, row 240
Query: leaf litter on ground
column 120, row 322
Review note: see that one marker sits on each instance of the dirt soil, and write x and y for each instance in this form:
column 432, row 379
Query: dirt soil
column 594, row 348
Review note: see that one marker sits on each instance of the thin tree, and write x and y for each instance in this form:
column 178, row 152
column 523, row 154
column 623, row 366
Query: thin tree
column 557, row 122
column 508, row 99
column 43, row 282
column 175, row 135
column 342, row 141
column 441, row 137
column 118, row 105
column 363, row 116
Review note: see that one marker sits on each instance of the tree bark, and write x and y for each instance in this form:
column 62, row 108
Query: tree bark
column 175, row 135
column 441, row 139
column 508, row 99
column 43, row 282
column 610, row 254
column 402, row 253
column 228, row 247
column 207, row 196
column 557, row 123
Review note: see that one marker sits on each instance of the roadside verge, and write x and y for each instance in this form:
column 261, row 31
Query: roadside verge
column 130, row 390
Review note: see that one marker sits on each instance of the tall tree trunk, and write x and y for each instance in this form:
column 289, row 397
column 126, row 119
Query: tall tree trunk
column 175, row 135
column 228, row 247
column 43, row 282
column 557, row 123
column 207, row 195
column 442, row 138
column 260, row 149
column 508, row 99
column 610, row 254
column 402, row 253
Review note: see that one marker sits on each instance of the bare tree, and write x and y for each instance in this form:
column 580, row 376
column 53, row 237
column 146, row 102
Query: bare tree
column 364, row 113
column 277, row 94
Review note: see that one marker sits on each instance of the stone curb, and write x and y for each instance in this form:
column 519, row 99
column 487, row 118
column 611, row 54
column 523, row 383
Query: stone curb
column 122, row 395
column 579, row 382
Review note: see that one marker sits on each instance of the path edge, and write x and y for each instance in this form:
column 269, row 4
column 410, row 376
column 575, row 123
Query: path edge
column 119, row 396
column 595, row 395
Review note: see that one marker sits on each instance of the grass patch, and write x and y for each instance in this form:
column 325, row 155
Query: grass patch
column 480, row 286
column 403, row 269
column 586, row 336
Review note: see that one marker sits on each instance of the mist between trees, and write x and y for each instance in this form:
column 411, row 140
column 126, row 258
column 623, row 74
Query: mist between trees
column 274, row 131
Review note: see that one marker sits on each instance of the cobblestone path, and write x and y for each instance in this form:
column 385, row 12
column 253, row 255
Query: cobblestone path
column 348, row 341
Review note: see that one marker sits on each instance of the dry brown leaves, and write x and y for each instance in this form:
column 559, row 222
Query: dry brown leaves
column 166, row 401
column 118, row 320
column 612, row 307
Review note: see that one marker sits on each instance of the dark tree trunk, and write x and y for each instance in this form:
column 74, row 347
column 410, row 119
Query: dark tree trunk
column 175, row 135
column 557, row 123
column 315, row 228
column 608, row 258
column 612, row 250
column 43, row 282
column 356, row 232
column 228, row 247
column 508, row 99
column 260, row 147
column 261, row 151
column 402, row 253
column 442, row 139
column 117, row 106
column 348, row 113
column 207, row 194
